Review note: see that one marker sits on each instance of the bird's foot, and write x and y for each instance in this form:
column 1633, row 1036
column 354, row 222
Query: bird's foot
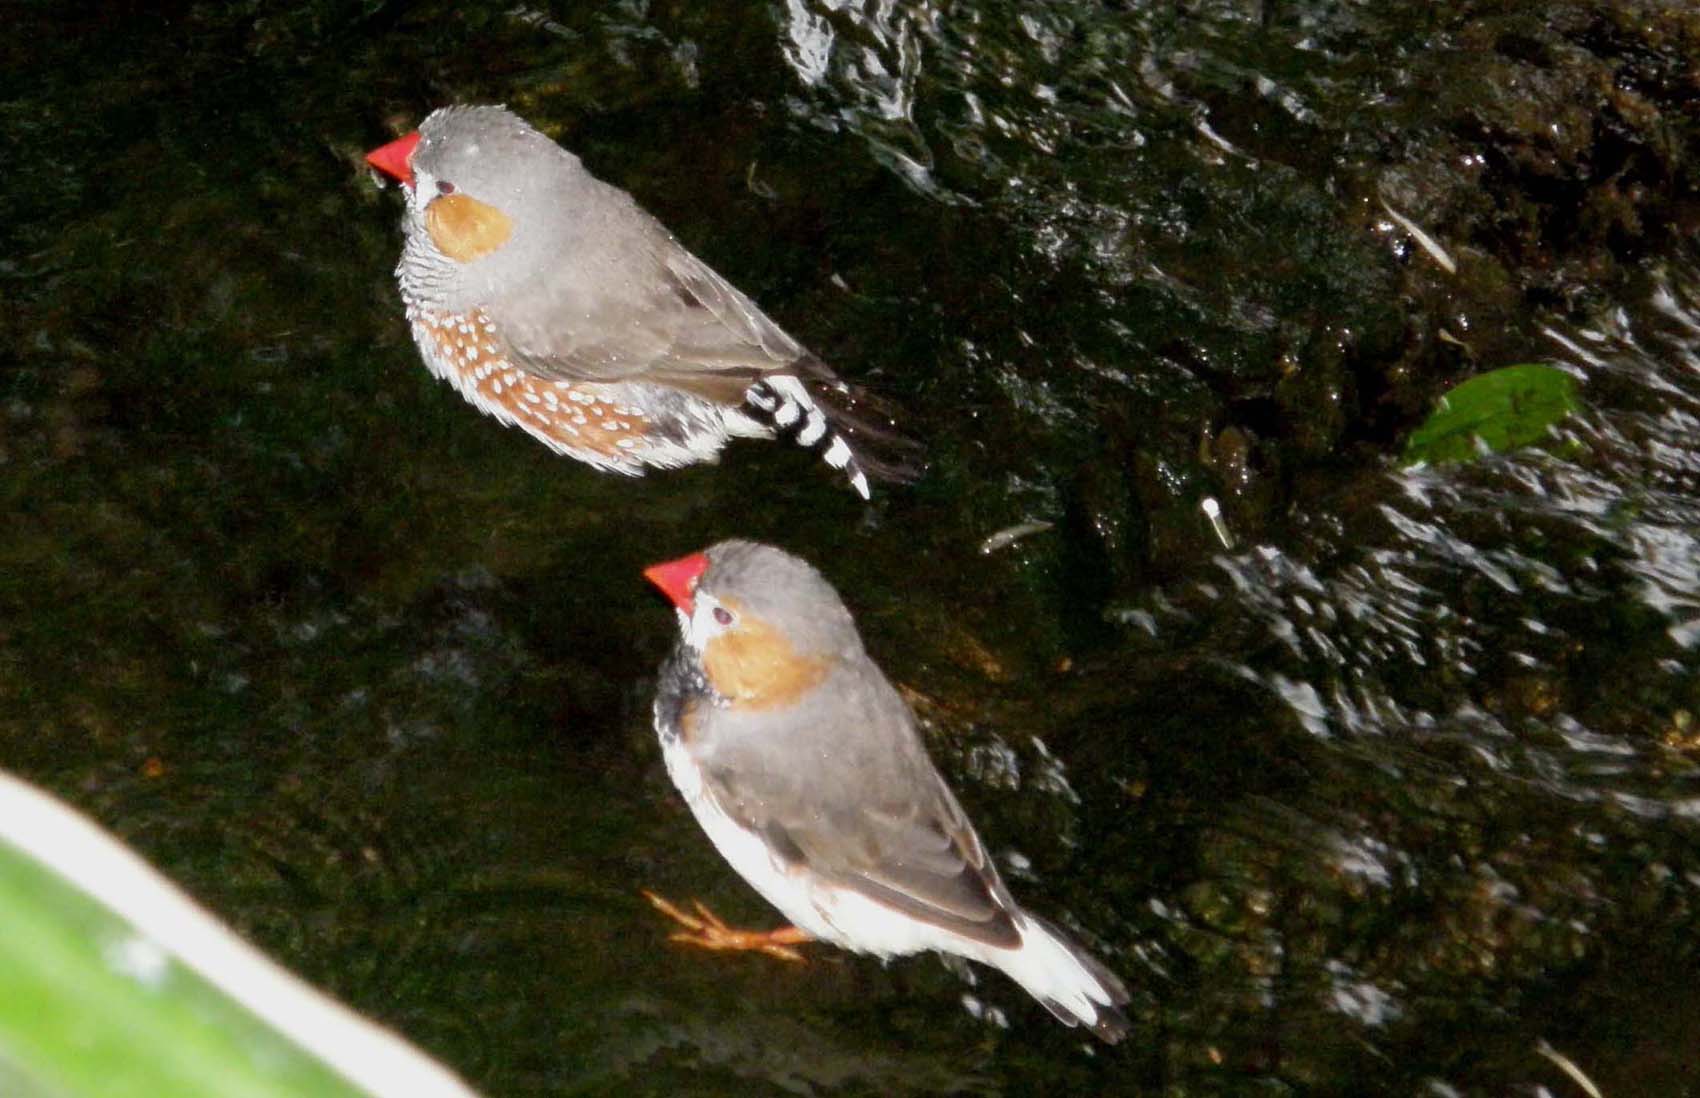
column 706, row 930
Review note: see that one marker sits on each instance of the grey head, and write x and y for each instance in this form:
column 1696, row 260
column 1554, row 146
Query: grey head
column 545, row 197
column 490, row 153
column 784, row 592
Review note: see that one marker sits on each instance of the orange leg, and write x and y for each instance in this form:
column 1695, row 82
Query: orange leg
column 706, row 930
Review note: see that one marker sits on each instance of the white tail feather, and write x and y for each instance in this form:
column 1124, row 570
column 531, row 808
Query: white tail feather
column 1056, row 973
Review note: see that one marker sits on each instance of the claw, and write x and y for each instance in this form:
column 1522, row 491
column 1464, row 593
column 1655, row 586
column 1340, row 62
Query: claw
column 705, row 929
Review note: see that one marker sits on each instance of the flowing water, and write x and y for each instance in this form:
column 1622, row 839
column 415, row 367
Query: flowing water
column 1391, row 786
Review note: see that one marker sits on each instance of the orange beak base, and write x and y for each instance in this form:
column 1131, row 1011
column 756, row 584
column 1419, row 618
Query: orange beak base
column 678, row 579
column 396, row 159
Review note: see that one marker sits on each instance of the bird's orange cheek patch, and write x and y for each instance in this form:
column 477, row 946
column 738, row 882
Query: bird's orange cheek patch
column 757, row 668
column 465, row 229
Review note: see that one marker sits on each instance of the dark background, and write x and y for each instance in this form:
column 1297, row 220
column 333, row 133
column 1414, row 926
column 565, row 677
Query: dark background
column 1378, row 800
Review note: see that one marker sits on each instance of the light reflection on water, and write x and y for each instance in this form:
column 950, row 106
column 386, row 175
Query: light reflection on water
column 1462, row 570
column 1503, row 649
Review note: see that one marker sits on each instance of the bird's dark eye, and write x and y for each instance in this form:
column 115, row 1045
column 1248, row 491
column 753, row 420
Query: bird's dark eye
column 722, row 615
column 445, row 187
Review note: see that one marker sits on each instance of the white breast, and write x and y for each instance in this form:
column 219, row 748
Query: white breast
column 745, row 850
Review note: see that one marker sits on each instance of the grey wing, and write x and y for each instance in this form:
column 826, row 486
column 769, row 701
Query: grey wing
column 917, row 854
column 650, row 310
column 723, row 325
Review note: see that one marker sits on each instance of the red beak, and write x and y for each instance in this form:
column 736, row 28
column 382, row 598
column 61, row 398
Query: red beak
column 396, row 159
column 678, row 579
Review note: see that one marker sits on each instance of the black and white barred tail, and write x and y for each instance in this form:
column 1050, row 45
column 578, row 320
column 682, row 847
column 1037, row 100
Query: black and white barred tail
column 827, row 416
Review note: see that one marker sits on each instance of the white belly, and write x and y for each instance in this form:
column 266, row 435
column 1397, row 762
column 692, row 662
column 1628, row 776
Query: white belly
column 841, row 916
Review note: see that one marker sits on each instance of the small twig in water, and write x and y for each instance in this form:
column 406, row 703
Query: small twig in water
column 1568, row 1066
column 1009, row 535
column 1213, row 511
column 1425, row 241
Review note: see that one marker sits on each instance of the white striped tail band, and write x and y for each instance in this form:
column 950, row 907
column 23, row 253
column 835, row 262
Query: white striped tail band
column 838, row 454
column 784, row 403
column 812, row 430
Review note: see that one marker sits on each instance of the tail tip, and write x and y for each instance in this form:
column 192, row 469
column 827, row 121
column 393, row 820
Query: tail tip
column 1107, row 1022
column 1095, row 995
column 1110, row 1026
column 786, row 405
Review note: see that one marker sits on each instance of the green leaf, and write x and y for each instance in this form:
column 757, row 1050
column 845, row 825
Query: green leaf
column 89, row 1007
column 113, row 984
column 1500, row 410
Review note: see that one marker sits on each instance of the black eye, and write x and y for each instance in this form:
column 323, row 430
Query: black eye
column 445, row 187
column 722, row 615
